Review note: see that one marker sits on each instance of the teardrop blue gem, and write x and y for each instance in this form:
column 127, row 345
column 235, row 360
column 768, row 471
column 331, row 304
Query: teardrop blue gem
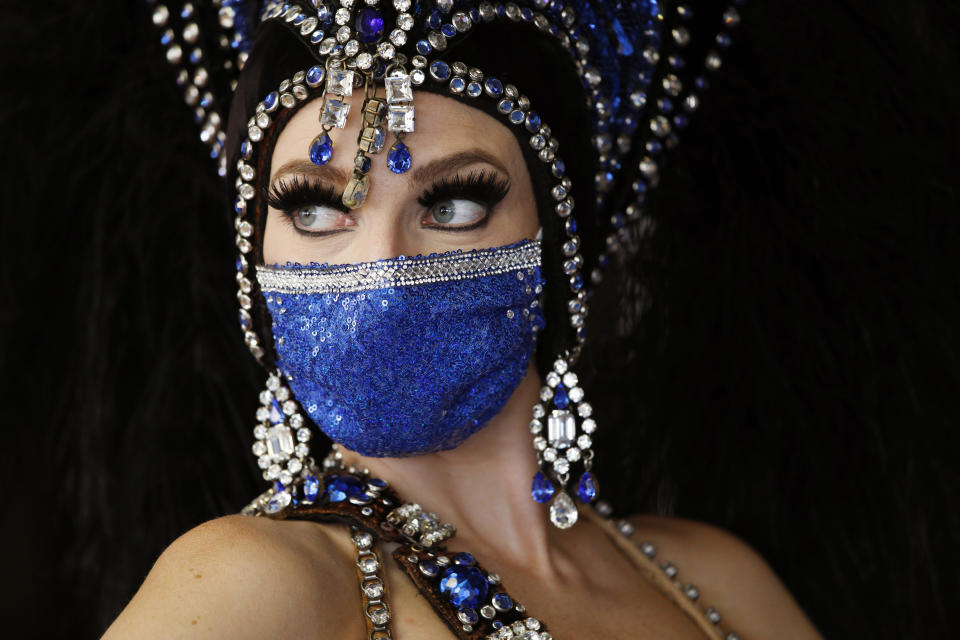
column 321, row 150
column 587, row 489
column 560, row 397
column 399, row 160
column 542, row 489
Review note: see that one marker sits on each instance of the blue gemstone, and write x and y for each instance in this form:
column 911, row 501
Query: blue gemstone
column 526, row 13
column 440, row 70
column 639, row 187
column 315, row 75
column 240, row 205
column 278, row 486
column 244, row 320
column 424, row 48
column 246, row 149
column 321, row 150
column 502, row 601
column 429, row 567
column 465, row 587
column 467, row 616
column 196, row 56
column 340, row 487
column 474, row 89
column 493, row 87
column 680, row 120
column 317, row 36
column 299, row 18
column 701, row 83
column 379, row 483
column 448, row 30
column 270, row 102
column 533, row 122
column 464, row 558
column 559, row 168
column 505, row 106
column 434, row 20
column 399, row 160
column 276, row 414
column 167, row 37
column 560, row 397
column 369, row 24
column 542, row 489
column 516, row 116
column 364, row 165
column 458, row 84
column 311, row 487
column 587, row 489
column 497, row 624
column 576, row 282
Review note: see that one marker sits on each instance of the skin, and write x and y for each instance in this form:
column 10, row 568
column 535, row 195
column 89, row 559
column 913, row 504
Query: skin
column 241, row 577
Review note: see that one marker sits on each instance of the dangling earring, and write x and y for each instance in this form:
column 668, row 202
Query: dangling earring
column 561, row 446
column 282, row 450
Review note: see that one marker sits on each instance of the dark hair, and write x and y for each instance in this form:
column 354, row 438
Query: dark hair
column 779, row 360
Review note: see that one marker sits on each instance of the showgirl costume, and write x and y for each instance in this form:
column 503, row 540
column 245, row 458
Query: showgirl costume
column 365, row 352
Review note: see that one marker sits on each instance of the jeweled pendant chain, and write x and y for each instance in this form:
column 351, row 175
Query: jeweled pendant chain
column 372, row 587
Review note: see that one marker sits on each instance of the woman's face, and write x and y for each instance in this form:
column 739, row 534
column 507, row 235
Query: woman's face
column 468, row 188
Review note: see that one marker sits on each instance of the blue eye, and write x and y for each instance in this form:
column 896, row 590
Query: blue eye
column 459, row 212
column 317, row 217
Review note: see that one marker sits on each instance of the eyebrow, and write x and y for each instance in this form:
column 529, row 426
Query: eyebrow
column 427, row 173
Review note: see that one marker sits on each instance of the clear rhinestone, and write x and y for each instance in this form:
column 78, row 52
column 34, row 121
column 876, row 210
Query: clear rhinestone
column 576, row 393
column 539, row 443
column 363, row 540
column 405, row 21
column 398, row 89
column 398, row 37
column 301, row 450
column 373, row 590
column 561, row 465
column 385, row 50
column 401, row 5
column 550, row 454
column 367, row 564
column 584, row 441
column 342, row 16
column 296, row 421
column 546, row 393
column 334, row 113
column 364, row 61
column 538, row 411
column 259, row 448
column 573, row 454
column 561, row 428
column 560, row 366
column 351, row 47
column 260, row 431
column 536, row 426
column 563, row 512
column 585, row 410
column 294, row 465
column 303, row 435
column 400, row 119
column 570, row 379
column 273, row 471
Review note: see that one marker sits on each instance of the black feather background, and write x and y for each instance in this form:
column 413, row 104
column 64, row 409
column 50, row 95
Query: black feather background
column 795, row 377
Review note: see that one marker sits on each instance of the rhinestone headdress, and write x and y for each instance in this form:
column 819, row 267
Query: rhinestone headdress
column 642, row 72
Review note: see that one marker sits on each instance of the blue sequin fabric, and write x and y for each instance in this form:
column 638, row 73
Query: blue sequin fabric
column 409, row 355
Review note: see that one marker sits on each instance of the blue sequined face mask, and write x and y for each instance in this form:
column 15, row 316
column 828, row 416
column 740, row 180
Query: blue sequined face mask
column 406, row 356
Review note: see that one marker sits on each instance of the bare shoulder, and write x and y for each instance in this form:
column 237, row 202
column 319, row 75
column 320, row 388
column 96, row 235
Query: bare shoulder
column 730, row 576
column 247, row 577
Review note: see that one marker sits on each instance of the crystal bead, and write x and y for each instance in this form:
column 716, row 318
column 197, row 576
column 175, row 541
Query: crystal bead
column 340, row 82
column 321, row 150
column 356, row 191
column 334, row 113
column 561, row 428
column 464, row 586
column 542, row 489
column 341, row 487
column 563, row 512
column 369, row 25
column 587, row 487
column 399, row 160
column 400, row 120
column 311, row 487
column 398, row 89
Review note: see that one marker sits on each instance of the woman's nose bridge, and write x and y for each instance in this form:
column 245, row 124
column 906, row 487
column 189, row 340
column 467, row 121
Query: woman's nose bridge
column 382, row 231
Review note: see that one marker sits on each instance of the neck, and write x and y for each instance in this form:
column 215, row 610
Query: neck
column 482, row 486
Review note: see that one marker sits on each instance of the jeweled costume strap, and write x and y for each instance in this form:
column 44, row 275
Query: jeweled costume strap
column 471, row 601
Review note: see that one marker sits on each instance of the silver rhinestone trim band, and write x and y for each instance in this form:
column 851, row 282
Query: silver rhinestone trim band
column 398, row 273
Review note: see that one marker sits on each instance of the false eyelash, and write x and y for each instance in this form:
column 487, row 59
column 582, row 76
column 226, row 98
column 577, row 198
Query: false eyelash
column 482, row 186
column 300, row 192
